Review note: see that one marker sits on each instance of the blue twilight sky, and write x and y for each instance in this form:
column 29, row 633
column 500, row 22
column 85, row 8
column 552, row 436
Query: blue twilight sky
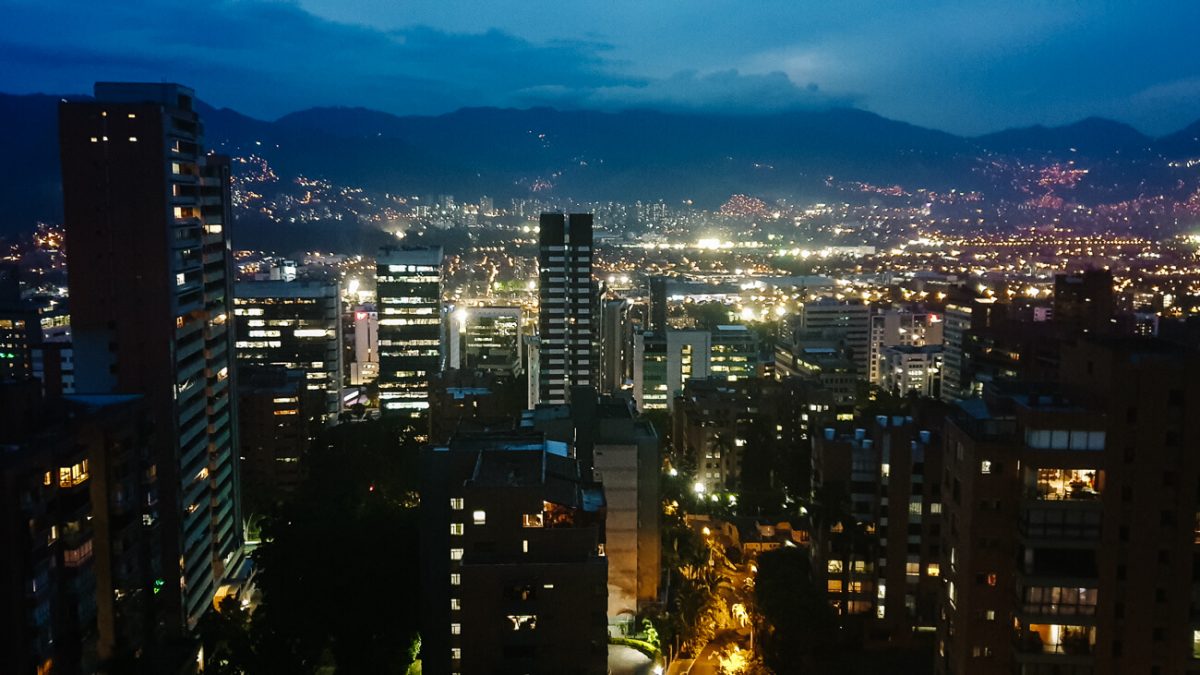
column 968, row 66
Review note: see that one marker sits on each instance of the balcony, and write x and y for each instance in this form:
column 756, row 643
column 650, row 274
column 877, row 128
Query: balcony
column 1055, row 643
column 1064, row 485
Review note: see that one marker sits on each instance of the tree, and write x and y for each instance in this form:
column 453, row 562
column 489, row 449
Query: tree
column 795, row 625
column 338, row 567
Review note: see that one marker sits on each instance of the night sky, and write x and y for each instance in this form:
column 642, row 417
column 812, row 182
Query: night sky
column 967, row 66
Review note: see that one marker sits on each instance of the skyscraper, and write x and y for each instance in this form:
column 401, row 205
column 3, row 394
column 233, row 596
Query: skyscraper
column 409, row 290
column 145, row 213
column 567, row 295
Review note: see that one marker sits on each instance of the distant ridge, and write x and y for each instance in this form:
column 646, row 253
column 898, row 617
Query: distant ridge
column 632, row 155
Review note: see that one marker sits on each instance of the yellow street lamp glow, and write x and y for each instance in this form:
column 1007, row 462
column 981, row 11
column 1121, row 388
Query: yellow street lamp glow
column 698, row 488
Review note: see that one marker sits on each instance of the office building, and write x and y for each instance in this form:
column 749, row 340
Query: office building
column 848, row 321
column 363, row 345
column 514, row 568
column 276, row 430
column 664, row 362
column 294, row 325
column 567, row 297
column 734, row 352
column 146, row 212
column 487, row 339
column 409, row 295
column 1071, row 514
column 908, row 369
column 901, row 326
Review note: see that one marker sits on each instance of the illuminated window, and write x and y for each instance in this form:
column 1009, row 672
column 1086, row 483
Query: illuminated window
column 523, row 621
column 455, row 653
column 912, row 569
column 456, row 629
column 456, row 554
column 985, row 466
column 456, row 528
column 479, row 517
column 456, row 503
column 834, row 566
column 536, row 520
column 834, row 586
column 455, row 604
column 933, row 569
column 455, row 579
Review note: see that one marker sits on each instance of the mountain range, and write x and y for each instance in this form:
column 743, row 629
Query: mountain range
column 625, row 156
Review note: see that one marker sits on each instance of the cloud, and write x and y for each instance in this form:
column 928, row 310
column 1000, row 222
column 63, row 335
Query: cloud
column 270, row 57
column 725, row 91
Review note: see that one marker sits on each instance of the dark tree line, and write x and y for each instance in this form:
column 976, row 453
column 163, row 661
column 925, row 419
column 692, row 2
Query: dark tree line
column 338, row 569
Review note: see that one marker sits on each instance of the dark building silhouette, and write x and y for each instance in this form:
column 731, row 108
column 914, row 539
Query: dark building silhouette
column 1084, row 302
column 1071, row 517
column 513, row 563
column 77, row 574
column 146, row 214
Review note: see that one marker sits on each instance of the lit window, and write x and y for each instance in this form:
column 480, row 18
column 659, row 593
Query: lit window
column 935, row 507
column 933, row 569
column 456, row 503
column 479, row 517
column 133, row 139
column 456, row 554
column 455, row 604
column 455, row 653
column 532, row 520
column 912, row 569
column 985, row 466
column 523, row 621
column 455, row 579
column 456, row 528
column 455, row 628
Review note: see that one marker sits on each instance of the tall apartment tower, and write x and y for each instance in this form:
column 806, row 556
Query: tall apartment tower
column 151, row 303
column 1071, row 541
column 567, row 295
column 409, row 290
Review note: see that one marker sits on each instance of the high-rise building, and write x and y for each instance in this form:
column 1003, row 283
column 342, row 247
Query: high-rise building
column 76, row 570
column 901, row 326
column 908, row 369
column 487, row 339
column 567, row 297
column 616, row 344
column 363, row 344
column 849, row 321
column 663, row 363
column 295, row 325
column 514, row 571
column 1084, row 302
column 146, row 212
column 1071, row 514
column 734, row 352
column 409, row 294
column 607, row 433
column 961, row 318
column 274, row 403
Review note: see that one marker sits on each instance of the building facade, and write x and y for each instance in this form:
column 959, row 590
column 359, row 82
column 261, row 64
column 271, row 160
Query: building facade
column 146, row 212
column 409, row 300
column 567, row 297
column 294, row 325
